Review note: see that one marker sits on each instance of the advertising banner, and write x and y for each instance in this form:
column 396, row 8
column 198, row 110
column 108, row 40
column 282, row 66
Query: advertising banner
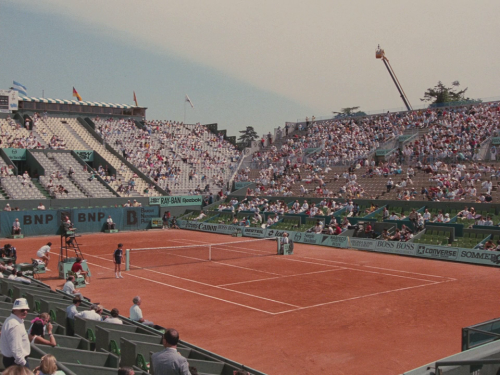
column 85, row 155
column 16, row 153
column 254, row 232
column 241, row 184
column 182, row 200
column 485, row 257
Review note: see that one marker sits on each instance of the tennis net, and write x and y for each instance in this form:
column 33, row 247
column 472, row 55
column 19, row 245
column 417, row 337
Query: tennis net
column 152, row 257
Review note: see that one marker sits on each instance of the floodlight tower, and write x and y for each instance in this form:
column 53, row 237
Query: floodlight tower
column 380, row 54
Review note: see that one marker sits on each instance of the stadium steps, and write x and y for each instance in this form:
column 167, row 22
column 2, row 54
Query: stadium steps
column 69, row 180
column 93, row 144
column 40, row 138
column 39, row 186
column 3, row 194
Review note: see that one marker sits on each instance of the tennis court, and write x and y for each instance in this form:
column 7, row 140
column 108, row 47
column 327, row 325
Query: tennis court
column 321, row 310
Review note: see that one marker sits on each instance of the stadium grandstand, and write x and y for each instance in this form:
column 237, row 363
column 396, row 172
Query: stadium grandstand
column 420, row 183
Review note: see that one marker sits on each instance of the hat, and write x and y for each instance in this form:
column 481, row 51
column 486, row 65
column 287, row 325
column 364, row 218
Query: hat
column 20, row 304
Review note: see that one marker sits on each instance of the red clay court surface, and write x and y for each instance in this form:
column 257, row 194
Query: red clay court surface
column 320, row 311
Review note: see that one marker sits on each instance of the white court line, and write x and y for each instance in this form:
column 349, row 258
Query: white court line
column 297, row 308
column 281, row 277
column 359, row 297
column 366, row 271
column 216, row 262
column 189, row 291
column 318, row 264
column 205, row 284
column 355, row 269
column 347, row 268
column 414, row 273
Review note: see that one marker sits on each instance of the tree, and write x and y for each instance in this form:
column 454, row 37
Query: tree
column 248, row 135
column 349, row 112
column 440, row 95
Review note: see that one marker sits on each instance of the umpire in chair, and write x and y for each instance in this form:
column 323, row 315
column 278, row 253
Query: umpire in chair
column 69, row 231
column 286, row 245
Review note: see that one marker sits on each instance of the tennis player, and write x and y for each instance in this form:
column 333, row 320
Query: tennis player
column 117, row 260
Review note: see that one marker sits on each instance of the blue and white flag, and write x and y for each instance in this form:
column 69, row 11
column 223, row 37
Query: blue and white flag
column 21, row 89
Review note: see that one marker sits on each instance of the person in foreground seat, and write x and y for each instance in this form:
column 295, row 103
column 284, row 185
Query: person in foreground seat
column 168, row 361
column 14, row 341
column 136, row 312
column 94, row 313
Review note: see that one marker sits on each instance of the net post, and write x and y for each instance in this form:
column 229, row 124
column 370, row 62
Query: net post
column 209, row 252
column 127, row 260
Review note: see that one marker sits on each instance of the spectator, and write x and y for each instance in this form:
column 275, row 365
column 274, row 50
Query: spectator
column 7, row 207
column 36, row 334
column 168, row 361
column 10, row 252
column 126, row 371
column 17, row 370
column 72, row 309
column 43, row 254
column 114, row 317
column 109, row 223
column 16, row 227
column 48, row 366
column 41, row 207
column 166, row 219
column 78, row 269
column 368, row 230
column 14, row 341
column 136, row 312
column 69, row 287
column 93, row 313
column 396, row 236
column 20, row 277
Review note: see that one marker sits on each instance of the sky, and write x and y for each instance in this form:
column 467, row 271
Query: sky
column 248, row 63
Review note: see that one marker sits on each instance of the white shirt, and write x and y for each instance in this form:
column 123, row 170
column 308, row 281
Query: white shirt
column 68, row 287
column 135, row 313
column 114, row 320
column 14, row 341
column 23, row 279
column 71, row 311
column 43, row 251
column 90, row 315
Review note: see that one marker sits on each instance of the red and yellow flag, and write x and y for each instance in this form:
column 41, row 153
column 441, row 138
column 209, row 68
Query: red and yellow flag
column 77, row 95
column 135, row 100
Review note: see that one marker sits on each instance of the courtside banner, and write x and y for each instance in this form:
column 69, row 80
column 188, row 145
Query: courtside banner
column 181, row 200
column 490, row 258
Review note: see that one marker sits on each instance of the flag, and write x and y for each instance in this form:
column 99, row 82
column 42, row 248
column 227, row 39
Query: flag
column 77, row 95
column 135, row 100
column 189, row 101
column 21, row 89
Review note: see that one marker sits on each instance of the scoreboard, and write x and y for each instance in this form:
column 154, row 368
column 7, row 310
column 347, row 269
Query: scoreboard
column 9, row 101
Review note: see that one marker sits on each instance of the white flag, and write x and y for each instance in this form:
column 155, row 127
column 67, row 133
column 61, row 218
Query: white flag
column 189, row 101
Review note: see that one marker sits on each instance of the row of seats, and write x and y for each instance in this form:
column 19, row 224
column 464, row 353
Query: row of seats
column 92, row 187
column 88, row 347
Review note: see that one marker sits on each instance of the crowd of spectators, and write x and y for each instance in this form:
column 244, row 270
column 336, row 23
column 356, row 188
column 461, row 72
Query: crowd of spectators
column 452, row 139
column 172, row 153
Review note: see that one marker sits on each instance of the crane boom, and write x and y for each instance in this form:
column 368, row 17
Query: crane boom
column 380, row 54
